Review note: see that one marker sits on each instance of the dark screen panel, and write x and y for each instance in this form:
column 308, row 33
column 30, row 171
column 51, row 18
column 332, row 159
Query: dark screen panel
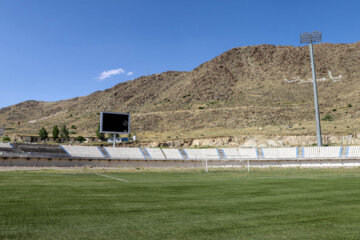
column 115, row 122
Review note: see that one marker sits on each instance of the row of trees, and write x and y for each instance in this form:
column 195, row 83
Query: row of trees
column 62, row 133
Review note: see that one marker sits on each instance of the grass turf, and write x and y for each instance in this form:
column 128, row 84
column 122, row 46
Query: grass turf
column 262, row 204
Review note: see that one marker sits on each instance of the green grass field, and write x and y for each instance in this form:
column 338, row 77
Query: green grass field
column 223, row 204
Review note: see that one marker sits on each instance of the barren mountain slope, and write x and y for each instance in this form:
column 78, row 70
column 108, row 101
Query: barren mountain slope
column 263, row 86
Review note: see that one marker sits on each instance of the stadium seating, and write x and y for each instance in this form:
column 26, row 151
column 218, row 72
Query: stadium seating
column 202, row 154
column 41, row 150
column 240, row 153
column 155, row 153
column 173, row 154
column 83, row 151
column 353, row 152
column 125, row 153
column 5, row 145
column 280, row 153
column 322, row 152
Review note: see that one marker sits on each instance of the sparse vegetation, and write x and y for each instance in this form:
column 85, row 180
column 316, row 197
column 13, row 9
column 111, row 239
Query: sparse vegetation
column 328, row 117
column 213, row 102
column 234, row 94
column 80, row 139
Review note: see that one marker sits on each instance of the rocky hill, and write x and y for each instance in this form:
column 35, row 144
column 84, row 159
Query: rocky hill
column 263, row 89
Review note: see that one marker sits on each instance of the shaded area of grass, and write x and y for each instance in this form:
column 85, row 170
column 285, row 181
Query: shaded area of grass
column 264, row 204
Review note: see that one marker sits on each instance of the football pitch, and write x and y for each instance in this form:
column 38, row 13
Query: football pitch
column 221, row 204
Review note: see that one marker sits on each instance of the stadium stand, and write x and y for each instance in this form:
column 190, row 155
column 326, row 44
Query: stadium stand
column 173, row 154
column 322, row 152
column 201, row 154
column 39, row 150
column 353, row 152
column 83, row 151
column 125, row 153
column 155, row 153
column 280, row 153
column 240, row 153
column 5, row 145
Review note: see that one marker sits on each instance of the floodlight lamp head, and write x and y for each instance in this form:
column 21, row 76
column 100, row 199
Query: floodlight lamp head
column 310, row 37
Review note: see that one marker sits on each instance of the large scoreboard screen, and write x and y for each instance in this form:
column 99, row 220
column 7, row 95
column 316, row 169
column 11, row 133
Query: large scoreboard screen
column 111, row 122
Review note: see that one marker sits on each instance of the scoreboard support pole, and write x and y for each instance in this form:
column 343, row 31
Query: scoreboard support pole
column 114, row 139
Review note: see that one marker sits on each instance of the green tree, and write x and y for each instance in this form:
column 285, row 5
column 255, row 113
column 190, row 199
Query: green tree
column 43, row 134
column 6, row 139
column 55, row 132
column 64, row 132
column 99, row 135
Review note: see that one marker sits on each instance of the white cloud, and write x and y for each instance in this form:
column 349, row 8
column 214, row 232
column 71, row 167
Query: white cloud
column 130, row 73
column 109, row 73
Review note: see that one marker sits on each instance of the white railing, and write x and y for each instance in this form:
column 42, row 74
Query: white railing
column 240, row 153
column 200, row 154
column 83, row 151
column 172, row 154
column 5, row 145
column 322, row 152
column 155, row 153
column 280, row 153
column 125, row 153
column 301, row 154
column 353, row 152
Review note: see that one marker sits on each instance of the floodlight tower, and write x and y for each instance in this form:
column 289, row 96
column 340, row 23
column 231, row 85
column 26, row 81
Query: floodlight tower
column 311, row 38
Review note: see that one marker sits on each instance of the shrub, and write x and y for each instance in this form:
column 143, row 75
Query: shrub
column 73, row 127
column 328, row 117
column 80, row 139
column 5, row 139
column 349, row 105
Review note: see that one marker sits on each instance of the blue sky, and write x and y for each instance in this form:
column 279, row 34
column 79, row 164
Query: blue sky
column 59, row 49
